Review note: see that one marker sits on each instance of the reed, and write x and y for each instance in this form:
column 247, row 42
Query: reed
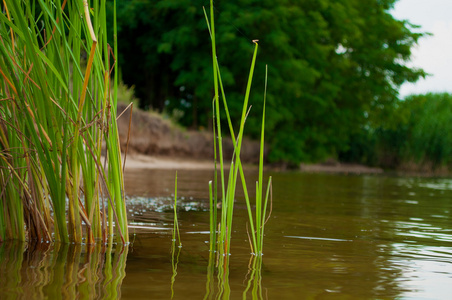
column 228, row 186
column 176, row 222
column 57, row 122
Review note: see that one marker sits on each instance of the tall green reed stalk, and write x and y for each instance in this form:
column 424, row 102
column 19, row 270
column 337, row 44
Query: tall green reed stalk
column 57, row 121
column 222, row 242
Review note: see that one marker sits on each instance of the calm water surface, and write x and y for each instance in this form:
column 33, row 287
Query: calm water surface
column 329, row 237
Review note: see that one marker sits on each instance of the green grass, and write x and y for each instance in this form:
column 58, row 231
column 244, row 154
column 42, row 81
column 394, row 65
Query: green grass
column 56, row 115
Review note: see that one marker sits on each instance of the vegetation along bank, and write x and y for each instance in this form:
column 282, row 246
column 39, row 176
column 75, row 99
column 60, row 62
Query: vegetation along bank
column 334, row 69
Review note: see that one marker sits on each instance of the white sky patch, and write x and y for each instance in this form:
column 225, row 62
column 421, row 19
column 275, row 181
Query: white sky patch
column 434, row 53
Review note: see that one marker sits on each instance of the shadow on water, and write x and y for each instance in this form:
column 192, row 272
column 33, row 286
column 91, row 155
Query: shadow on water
column 61, row 271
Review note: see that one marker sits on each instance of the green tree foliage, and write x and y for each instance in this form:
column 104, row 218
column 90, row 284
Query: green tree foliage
column 334, row 66
column 419, row 130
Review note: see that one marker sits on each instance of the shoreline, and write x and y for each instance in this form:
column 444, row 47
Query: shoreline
column 137, row 161
column 156, row 143
column 340, row 168
column 141, row 161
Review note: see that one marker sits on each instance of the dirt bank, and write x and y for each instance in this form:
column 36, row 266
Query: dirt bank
column 152, row 135
column 140, row 161
column 343, row 168
column 156, row 143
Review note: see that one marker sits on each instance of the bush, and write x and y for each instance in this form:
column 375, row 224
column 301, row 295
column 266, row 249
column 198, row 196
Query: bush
column 419, row 131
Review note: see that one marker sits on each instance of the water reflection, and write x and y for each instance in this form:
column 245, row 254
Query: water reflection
column 353, row 237
column 218, row 287
column 254, row 286
column 174, row 263
column 329, row 237
column 61, row 271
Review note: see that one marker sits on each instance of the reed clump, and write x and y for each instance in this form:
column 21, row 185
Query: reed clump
column 220, row 240
column 60, row 163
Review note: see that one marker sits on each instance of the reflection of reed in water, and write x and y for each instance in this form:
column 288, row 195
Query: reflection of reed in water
column 175, row 259
column 217, row 287
column 61, row 271
column 255, row 279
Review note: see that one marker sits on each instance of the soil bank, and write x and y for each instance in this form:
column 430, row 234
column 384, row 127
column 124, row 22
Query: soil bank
column 156, row 143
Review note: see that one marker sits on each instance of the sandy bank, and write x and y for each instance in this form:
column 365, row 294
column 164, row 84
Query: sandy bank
column 153, row 136
column 140, row 161
column 156, row 143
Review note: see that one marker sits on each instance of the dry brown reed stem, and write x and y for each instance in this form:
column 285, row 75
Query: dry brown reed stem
column 54, row 27
column 128, row 132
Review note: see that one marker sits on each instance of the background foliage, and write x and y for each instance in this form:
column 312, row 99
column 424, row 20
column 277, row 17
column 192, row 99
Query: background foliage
column 420, row 131
column 334, row 66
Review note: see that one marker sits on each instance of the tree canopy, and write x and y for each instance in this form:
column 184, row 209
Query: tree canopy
column 334, row 66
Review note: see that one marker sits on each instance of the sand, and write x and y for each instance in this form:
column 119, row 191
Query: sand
column 140, row 161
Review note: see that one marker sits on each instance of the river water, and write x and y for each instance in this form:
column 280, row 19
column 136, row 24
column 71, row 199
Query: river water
column 328, row 237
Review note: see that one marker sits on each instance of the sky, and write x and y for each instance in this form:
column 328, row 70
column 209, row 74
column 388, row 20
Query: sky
column 433, row 53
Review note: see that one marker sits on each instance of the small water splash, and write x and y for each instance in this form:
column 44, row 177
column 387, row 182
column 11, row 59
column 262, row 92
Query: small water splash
column 139, row 205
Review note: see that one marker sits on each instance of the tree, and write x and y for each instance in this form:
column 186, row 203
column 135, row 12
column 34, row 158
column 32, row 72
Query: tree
column 334, row 66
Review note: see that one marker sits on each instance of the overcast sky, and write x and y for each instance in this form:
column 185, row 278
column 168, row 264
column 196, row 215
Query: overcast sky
column 434, row 53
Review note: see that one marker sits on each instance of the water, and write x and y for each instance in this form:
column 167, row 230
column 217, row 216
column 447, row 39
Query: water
column 329, row 237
